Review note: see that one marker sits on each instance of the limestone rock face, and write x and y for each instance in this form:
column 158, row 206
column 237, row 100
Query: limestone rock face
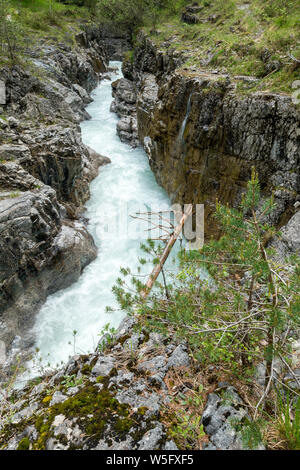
column 124, row 104
column 119, row 400
column 115, row 41
column 203, row 138
column 149, row 59
column 289, row 242
column 40, row 252
column 222, row 409
column 45, row 171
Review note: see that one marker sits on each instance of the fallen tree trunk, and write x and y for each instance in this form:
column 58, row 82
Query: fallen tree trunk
column 157, row 269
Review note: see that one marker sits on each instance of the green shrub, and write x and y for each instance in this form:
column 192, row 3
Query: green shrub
column 235, row 314
column 289, row 414
column 10, row 32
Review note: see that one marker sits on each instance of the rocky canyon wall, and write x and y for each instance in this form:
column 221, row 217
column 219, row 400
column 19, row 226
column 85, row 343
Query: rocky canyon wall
column 203, row 137
column 45, row 171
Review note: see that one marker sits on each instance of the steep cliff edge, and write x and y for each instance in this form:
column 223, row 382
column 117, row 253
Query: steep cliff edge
column 45, row 171
column 203, row 136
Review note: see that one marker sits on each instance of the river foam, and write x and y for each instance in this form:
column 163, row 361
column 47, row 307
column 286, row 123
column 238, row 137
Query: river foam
column 127, row 182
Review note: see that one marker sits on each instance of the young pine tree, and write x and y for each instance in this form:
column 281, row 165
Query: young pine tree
column 232, row 301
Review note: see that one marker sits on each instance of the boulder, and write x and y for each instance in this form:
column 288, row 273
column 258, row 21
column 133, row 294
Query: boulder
column 40, row 253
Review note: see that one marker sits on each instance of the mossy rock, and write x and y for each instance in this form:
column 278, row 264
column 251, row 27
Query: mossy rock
column 24, row 444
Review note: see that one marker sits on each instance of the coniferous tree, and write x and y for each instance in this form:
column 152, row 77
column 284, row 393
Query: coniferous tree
column 233, row 301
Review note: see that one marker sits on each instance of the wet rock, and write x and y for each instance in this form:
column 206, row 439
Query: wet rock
column 124, row 105
column 82, row 93
column 124, row 125
column 35, row 243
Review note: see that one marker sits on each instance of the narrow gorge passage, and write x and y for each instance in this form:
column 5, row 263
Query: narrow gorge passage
column 127, row 181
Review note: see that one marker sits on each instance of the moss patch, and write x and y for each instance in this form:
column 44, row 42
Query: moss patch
column 24, row 444
column 94, row 409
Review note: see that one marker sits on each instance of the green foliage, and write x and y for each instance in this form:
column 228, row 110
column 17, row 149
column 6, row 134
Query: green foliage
column 107, row 334
column 232, row 301
column 189, row 429
column 251, row 433
column 24, row 444
column 10, row 32
column 290, row 419
column 130, row 14
column 238, row 40
column 186, row 428
column 276, row 8
column 33, row 18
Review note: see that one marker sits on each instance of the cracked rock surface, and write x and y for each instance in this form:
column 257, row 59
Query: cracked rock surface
column 45, row 172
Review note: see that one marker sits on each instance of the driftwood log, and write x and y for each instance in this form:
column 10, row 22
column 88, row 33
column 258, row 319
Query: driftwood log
column 173, row 238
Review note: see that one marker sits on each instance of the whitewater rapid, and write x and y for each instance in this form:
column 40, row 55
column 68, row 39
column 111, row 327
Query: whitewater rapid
column 127, row 181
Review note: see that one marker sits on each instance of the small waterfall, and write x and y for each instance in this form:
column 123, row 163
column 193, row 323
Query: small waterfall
column 184, row 122
column 181, row 146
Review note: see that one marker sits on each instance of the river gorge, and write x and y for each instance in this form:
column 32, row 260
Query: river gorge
column 93, row 136
column 126, row 184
